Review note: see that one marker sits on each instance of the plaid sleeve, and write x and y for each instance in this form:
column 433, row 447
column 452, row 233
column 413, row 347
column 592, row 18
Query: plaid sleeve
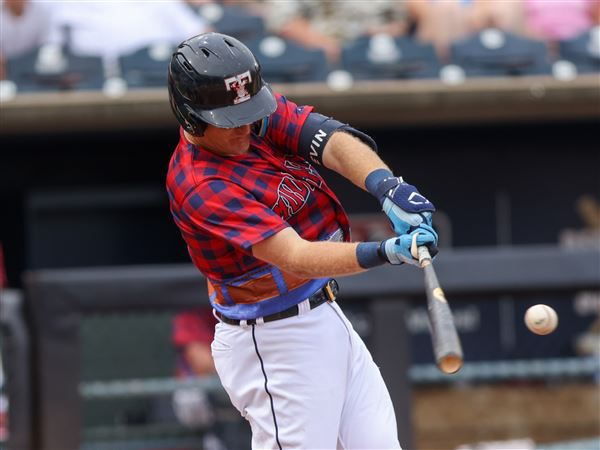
column 225, row 210
column 286, row 123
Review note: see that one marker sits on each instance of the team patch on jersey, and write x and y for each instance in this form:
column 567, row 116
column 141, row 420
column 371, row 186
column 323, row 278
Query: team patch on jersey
column 238, row 84
column 292, row 195
column 305, row 170
column 293, row 190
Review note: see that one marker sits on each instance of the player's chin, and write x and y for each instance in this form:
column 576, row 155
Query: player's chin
column 241, row 146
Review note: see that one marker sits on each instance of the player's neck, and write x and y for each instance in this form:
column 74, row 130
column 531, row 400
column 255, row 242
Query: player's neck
column 192, row 139
column 217, row 147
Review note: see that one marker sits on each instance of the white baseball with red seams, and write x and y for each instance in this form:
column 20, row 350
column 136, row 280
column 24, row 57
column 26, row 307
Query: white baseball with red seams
column 541, row 319
column 322, row 393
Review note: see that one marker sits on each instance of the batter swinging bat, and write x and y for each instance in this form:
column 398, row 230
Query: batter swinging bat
column 446, row 344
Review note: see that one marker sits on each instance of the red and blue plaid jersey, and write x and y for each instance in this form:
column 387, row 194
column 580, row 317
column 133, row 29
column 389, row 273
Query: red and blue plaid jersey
column 225, row 205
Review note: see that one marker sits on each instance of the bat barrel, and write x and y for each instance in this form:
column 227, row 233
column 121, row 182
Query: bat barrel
column 450, row 363
column 446, row 343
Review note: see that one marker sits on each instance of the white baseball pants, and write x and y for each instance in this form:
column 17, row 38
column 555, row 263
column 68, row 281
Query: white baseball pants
column 306, row 382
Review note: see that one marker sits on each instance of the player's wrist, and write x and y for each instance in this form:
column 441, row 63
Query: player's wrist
column 370, row 254
column 380, row 181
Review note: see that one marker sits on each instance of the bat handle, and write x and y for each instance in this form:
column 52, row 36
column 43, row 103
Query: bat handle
column 424, row 256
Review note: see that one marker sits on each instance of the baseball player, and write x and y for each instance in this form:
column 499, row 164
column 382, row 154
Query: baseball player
column 268, row 234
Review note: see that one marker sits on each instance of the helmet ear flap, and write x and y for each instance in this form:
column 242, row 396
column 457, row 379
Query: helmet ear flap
column 189, row 119
column 200, row 129
column 195, row 122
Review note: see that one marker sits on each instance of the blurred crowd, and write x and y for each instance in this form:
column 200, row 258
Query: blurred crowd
column 109, row 29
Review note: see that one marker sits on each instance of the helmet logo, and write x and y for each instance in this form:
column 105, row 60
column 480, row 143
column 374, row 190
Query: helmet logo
column 238, row 84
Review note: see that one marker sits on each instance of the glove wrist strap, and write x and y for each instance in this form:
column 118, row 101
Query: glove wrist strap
column 379, row 182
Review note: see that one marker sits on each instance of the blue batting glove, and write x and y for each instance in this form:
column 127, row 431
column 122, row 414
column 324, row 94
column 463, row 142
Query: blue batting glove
column 406, row 208
column 403, row 249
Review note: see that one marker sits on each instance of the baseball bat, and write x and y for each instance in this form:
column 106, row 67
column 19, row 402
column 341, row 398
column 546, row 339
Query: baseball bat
column 446, row 344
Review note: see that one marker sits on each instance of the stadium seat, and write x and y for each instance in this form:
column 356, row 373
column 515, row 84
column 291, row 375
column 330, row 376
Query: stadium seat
column 146, row 67
column 50, row 68
column 283, row 61
column 583, row 51
column 231, row 20
column 493, row 52
column 385, row 57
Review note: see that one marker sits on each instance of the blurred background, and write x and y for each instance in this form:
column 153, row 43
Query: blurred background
column 490, row 107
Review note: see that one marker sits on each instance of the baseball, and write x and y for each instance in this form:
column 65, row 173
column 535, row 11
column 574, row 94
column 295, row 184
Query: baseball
column 541, row 319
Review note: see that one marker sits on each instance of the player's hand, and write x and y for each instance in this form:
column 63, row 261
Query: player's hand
column 406, row 208
column 403, row 249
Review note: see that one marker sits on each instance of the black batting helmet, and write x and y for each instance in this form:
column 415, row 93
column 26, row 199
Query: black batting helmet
column 215, row 79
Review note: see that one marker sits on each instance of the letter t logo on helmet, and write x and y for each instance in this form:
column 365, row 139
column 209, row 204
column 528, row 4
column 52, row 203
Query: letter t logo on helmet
column 215, row 79
column 237, row 83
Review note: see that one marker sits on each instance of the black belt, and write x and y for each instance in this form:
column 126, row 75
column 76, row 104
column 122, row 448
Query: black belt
column 327, row 293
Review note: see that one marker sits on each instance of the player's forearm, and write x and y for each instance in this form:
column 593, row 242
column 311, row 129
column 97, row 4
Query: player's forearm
column 322, row 259
column 351, row 158
column 292, row 254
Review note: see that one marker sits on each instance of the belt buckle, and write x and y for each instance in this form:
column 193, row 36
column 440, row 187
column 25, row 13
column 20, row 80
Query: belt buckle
column 329, row 292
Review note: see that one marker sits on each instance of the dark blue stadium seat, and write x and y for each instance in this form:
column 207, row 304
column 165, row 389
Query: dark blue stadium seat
column 283, row 61
column 146, row 67
column 234, row 21
column 493, row 52
column 583, row 51
column 405, row 58
column 62, row 71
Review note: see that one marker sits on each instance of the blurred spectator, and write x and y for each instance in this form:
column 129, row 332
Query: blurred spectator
column 588, row 209
column 588, row 342
column 587, row 206
column 328, row 24
column 559, row 20
column 193, row 333
column 504, row 15
column 588, row 236
column 442, row 22
column 110, row 29
column 253, row 6
column 242, row 20
column 25, row 25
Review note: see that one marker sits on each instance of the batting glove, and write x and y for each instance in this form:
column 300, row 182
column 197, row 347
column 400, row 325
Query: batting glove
column 403, row 249
column 406, row 208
